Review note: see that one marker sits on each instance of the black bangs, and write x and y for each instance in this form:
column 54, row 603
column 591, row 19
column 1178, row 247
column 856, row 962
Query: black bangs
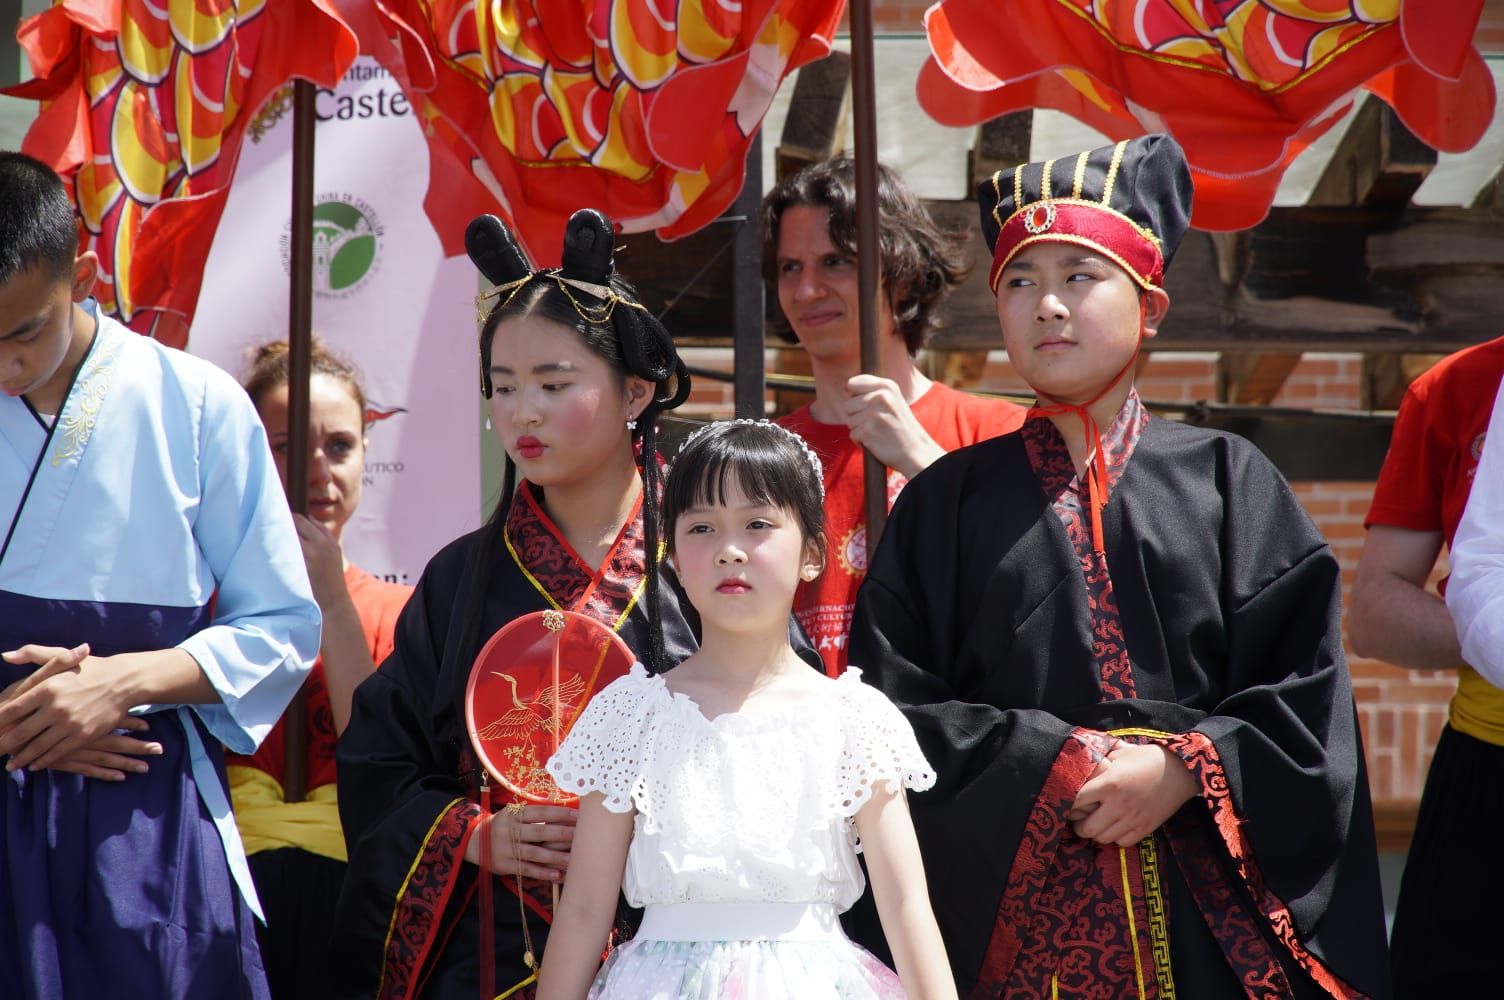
column 763, row 461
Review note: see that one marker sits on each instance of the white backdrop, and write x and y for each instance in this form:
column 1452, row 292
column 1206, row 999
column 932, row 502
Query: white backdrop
column 384, row 298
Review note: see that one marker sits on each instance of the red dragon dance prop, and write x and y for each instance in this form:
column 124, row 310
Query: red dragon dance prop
column 641, row 108
column 1244, row 85
column 144, row 109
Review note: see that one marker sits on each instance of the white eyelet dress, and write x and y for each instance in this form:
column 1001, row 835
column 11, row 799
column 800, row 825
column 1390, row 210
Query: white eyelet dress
column 743, row 847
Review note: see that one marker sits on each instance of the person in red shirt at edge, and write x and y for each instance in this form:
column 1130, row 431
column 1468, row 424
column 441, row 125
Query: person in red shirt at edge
column 1438, row 947
column 297, row 849
column 904, row 418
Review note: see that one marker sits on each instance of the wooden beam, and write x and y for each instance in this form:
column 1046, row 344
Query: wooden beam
column 1000, row 143
column 1308, row 279
column 1442, row 238
column 1253, row 379
column 1232, row 255
column 1315, row 279
column 10, row 49
column 815, row 127
column 1489, row 38
column 1490, row 196
column 1308, row 446
column 1387, row 376
column 1379, row 163
column 957, row 369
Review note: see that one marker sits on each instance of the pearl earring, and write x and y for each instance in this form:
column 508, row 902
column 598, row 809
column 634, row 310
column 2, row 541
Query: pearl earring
column 488, row 421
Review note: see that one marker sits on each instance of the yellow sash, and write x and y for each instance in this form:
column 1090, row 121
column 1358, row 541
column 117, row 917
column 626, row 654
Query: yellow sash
column 267, row 823
column 1478, row 708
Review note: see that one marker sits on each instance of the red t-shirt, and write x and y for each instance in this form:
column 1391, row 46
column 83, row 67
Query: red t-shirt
column 377, row 603
column 954, row 419
column 1438, row 438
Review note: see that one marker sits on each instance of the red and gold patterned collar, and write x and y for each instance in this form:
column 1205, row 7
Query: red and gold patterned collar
column 607, row 593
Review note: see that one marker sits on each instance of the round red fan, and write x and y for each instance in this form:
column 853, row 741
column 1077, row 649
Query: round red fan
column 528, row 686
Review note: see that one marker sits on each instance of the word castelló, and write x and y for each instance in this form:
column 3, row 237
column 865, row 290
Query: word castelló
column 332, row 106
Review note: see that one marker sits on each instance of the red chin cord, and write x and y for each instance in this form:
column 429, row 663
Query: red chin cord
column 1096, row 470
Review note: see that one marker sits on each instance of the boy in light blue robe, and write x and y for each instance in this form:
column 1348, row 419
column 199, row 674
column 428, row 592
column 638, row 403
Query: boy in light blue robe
column 153, row 605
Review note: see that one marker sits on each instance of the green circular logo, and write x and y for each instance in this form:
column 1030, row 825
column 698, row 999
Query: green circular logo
column 347, row 239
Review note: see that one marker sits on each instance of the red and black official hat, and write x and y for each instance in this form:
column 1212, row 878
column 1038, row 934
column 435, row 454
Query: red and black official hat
column 1131, row 202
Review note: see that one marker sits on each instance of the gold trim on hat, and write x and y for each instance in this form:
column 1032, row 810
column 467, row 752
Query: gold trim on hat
column 1080, row 178
column 1044, row 182
column 1112, row 172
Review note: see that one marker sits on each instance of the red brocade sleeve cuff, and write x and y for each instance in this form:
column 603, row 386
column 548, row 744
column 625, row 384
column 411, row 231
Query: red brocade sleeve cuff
column 1037, row 845
column 1200, row 755
column 419, row 907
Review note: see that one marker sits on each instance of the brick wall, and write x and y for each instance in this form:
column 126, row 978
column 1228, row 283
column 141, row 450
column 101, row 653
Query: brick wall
column 1401, row 711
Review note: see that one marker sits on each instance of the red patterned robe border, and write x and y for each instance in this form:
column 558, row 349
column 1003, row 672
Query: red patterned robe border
column 422, row 899
column 1200, row 755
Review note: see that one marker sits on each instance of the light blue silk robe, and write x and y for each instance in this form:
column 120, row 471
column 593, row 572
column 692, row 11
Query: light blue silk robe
column 148, row 516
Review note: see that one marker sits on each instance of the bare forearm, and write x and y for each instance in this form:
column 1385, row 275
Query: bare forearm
column 919, row 951
column 902, row 897
column 162, row 677
column 346, row 657
column 1402, row 623
column 575, row 943
column 585, row 911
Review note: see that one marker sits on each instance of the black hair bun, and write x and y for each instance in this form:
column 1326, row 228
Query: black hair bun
column 588, row 247
column 494, row 250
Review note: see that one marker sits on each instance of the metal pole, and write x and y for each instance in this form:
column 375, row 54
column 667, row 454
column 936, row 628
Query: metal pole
column 747, row 290
column 300, row 345
column 864, row 108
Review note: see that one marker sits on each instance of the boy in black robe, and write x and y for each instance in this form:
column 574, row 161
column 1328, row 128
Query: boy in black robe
column 1118, row 639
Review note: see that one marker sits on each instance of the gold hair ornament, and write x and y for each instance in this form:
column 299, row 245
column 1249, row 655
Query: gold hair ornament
column 597, row 315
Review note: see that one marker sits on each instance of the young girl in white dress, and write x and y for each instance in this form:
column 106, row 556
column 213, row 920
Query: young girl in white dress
column 727, row 796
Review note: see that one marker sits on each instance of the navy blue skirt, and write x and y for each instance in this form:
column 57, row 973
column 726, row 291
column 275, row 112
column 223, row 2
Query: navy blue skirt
column 121, row 888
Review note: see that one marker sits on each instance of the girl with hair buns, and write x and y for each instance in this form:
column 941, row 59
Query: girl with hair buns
column 296, row 849
column 576, row 372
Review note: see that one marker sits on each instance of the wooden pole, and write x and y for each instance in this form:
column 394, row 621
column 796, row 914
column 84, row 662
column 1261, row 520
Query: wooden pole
column 864, row 107
column 747, row 290
column 299, row 365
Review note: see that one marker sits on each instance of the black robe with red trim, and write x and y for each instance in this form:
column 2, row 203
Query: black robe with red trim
column 407, row 923
column 985, row 617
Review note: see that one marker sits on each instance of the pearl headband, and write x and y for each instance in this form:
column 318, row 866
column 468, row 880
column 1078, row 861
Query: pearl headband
column 809, row 453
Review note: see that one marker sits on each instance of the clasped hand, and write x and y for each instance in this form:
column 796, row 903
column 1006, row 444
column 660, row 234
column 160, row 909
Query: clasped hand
column 531, row 842
column 1130, row 794
column 63, row 716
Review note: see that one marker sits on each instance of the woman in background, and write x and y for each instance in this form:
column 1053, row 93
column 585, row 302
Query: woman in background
column 296, row 849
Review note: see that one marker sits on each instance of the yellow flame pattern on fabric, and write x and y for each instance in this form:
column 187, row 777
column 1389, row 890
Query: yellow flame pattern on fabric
column 574, row 86
column 144, row 103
